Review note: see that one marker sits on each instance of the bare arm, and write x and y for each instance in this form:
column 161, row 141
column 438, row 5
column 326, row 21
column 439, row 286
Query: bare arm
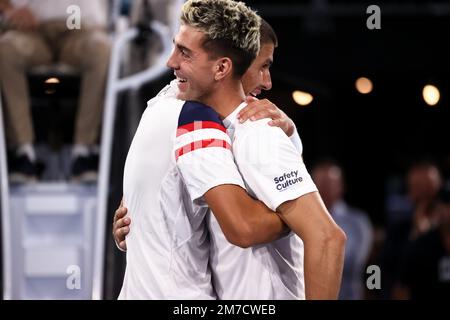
column 324, row 244
column 244, row 221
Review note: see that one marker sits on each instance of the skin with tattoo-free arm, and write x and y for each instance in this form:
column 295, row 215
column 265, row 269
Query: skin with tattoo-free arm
column 244, row 221
column 324, row 244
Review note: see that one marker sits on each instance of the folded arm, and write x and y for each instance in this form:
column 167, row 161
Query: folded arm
column 244, row 221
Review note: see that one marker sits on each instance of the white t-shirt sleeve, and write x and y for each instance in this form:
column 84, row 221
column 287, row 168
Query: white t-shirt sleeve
column 270, row 164
column 203, row 152
column 296, row 141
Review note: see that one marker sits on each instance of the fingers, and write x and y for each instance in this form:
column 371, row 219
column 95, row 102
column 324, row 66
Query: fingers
column 122, row 245
column 121, row 226
column 119, row 213
column 119, row 238
column 275, row 123
column 246, row 112
column 120, row 223
column 285, row 124
column 262, row 115
column 120, row 234
column 259, row 109
column 280, row 123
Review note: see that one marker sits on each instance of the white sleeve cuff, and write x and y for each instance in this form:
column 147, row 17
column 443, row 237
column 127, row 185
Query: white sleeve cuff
column 296, row 141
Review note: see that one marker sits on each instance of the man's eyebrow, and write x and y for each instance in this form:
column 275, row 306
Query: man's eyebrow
column 181, row 47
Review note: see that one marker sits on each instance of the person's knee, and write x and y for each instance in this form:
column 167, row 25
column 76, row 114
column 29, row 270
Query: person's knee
column 98, row 45
column 14, row 46
column 8, row 46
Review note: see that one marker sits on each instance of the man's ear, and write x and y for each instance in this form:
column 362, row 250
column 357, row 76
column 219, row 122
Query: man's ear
column 223, row 67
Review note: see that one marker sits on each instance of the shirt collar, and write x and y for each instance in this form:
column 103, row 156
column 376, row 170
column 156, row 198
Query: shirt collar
column 230, row 121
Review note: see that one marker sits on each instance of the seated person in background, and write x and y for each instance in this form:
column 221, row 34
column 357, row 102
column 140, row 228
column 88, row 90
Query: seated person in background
column 328, row 178
column 38, row 35
column 424, row 183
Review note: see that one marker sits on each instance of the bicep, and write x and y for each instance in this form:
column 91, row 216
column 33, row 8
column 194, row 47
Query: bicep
column 307, row 216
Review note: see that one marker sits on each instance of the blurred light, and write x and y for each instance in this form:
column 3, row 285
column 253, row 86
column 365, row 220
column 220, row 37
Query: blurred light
column 302, row 98
column 50, row 85
column 52, row 80
column 431, row 94
column 364, row 85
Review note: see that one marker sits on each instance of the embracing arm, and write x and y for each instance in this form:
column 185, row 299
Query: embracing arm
column 244, row 221
column 324, row 244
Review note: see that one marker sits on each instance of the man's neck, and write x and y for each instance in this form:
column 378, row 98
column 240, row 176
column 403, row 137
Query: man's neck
column 227, row 97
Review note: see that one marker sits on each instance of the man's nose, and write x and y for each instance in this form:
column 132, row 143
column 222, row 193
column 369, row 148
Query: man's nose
column 171, row 62
column 267, row 81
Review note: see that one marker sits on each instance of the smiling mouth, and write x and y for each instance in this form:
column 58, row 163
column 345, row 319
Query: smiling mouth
column 182, row 80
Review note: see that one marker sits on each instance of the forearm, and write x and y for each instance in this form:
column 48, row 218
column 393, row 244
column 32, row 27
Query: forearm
column 324, row 244
column 265, row 225
column 323, row 269
column 244, row 221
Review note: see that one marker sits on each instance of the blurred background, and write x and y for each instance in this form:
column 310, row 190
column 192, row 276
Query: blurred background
column 371, row 106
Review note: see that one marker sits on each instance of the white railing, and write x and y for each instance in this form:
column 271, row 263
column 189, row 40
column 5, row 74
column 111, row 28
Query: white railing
column 5, row 219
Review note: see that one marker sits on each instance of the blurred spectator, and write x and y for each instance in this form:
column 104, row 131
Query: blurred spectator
column 424, row 183
column 38, row 34
column 424, row 271
column 329, row 179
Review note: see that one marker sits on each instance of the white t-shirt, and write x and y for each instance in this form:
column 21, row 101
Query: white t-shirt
column 273, row 172
column 179, row 152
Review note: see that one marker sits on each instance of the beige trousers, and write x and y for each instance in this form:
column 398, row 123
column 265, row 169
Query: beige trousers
column 86, row 49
